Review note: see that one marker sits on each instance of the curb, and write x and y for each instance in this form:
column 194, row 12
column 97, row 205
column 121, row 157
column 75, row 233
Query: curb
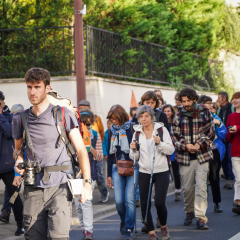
column 111, row 208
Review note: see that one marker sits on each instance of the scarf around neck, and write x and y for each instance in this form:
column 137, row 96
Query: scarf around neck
column 123, row 140
column 194, row 112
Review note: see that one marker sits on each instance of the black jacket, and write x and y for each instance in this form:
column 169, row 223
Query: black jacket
column 224, row 114
column 160, row 117
column 6, row 142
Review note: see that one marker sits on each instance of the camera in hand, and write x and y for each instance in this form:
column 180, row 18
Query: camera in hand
column 30, row 169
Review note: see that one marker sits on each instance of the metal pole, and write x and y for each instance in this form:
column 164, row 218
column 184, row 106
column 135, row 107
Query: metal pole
column 79, row 52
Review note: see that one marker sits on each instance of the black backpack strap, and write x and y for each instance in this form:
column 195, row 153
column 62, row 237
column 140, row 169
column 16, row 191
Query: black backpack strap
column 160, row 133
column 58, row 113
column 26, row 135
column 131, row 127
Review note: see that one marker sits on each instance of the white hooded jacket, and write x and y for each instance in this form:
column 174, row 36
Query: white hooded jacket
column 163, row 148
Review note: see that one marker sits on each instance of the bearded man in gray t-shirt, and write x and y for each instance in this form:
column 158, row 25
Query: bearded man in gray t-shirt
column 47, row 205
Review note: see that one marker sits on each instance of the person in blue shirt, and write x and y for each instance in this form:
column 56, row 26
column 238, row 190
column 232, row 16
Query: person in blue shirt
column 218, row 148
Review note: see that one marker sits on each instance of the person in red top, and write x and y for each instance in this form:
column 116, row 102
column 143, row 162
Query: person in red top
column 233, row 136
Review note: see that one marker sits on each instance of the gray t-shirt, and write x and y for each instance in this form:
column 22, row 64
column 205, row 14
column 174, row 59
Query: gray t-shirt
column 44, row 135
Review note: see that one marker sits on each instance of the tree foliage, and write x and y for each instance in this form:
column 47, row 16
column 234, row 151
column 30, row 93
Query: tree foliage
column 200, row 27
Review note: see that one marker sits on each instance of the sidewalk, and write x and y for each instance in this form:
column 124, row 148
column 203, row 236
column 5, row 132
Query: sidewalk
column 99, row 209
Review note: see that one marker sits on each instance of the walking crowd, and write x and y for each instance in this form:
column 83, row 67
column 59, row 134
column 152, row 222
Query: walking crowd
column 48, row 146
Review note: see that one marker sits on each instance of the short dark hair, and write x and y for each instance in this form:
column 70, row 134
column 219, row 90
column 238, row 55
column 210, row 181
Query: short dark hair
column 172, row 110
column 236, row 95
column 2, row 96
column 132, row 109
column 119, row 112
column 204, row 98
column 37, row 75
column 224, row 95
column 150, row 95
column 190, row 93
column 84, row 117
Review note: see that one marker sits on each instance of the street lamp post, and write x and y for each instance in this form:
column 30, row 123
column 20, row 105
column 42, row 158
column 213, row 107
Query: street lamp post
column 79, row 50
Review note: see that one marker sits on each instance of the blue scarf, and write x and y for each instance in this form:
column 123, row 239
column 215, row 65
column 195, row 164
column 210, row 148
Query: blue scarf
column 123, row 140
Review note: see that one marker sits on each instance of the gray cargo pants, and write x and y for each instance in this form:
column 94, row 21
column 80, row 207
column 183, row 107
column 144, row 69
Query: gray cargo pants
column 47, row 212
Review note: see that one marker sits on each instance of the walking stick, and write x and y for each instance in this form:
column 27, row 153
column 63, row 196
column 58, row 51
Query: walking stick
column 135, row 188
column 150, row 185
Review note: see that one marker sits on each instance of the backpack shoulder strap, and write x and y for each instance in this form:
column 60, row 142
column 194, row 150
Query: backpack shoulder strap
column 58, row 113
column 232, row 109
column 131, row 127
column 160, row 133
column 26, row 135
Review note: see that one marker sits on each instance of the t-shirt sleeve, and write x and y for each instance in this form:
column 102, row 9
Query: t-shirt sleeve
column 17, row 129
column 71, row 121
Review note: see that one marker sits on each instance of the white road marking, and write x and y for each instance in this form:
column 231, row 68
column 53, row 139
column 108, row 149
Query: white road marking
column 236, row 237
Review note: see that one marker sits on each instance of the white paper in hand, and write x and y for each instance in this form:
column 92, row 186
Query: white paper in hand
column 76, row 187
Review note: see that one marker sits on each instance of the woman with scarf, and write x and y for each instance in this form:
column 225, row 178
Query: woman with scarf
column 120, row 137
column 218, row 148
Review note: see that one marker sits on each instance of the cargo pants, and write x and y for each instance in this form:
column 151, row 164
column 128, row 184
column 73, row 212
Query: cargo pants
column 47, row 212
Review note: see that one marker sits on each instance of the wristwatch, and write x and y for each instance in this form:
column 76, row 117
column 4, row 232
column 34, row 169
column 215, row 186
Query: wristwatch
column 88, row 181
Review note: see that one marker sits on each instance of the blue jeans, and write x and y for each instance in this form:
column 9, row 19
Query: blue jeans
column 6, row 204
column 227, row 163
column 101, row 180
column 124, row 197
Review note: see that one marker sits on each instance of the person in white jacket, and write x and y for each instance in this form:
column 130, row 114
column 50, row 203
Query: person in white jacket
column 148, row 137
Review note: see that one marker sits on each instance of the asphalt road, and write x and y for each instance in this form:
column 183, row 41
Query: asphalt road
column 223, row 226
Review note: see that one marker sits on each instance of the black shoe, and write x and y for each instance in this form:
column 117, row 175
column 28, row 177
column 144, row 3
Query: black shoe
column 230, row 184
column 19, row 231
column 137, row 203
column 5, row 215
column 144, row 229
column 236, row 209
column 217, row 209
column 122, row 230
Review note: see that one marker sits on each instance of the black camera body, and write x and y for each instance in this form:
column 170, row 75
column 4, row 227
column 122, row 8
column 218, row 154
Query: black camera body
column 29, row 176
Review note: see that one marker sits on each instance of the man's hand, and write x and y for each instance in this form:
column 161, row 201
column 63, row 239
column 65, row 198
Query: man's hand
column 196, row 147
column 233, row 129
column 191, row 148
column 105, row 158
column 17, row 180
column 157, row 139
column 19, row 171
column 86, row 193
column 217, row 122
column 109, row 182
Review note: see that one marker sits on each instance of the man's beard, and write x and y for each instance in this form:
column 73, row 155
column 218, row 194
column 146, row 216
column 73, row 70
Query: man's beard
column 189, row 109
column 39, row 102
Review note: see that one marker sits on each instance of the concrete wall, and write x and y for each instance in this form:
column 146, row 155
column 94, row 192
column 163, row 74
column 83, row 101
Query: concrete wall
column 102, row 93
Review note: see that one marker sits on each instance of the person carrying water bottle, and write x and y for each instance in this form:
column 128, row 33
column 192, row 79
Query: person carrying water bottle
column 152, row 159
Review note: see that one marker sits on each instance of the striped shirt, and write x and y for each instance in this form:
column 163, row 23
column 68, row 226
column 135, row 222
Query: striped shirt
column 99, row 149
